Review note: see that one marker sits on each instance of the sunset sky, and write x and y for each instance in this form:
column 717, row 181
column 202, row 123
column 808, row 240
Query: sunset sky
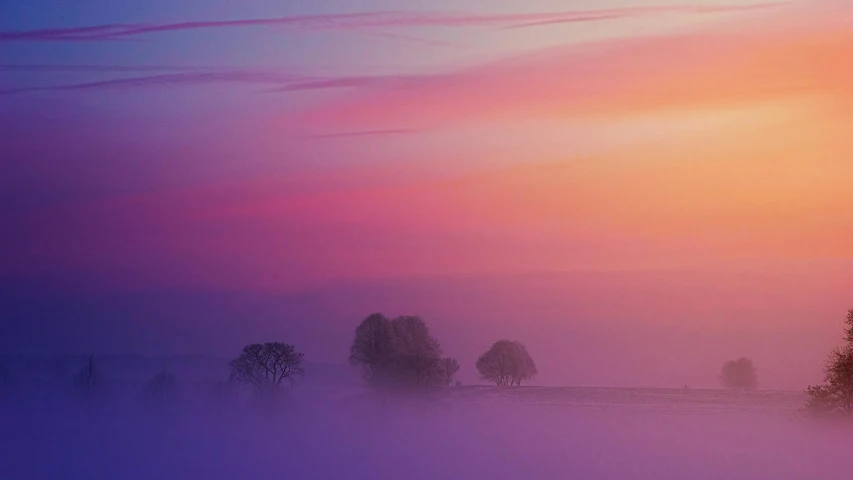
column 639, row 190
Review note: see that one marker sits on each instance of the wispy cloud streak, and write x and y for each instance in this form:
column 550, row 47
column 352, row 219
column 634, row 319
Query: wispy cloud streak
column 362, row 81
column 615, row 13
column 623, row 76
column 364, row 133
column 99, row 68
column 356, row 21
column 169, row 79
column 282, row 81
column 96, row 32
column 406, row 38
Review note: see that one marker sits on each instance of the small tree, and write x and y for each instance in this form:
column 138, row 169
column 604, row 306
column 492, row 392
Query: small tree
column 267, row 366
column 839, row 377
column 449, row 369
column 219, row 393
column 848, row 328
column 89, row 381
column 5, row 379
column 506, row 363
column 836, row 393
column 739, row 375
column 161, row 389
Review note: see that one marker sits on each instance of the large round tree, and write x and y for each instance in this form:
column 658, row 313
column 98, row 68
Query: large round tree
column 506, row 364
column 739, row 374
column 400, row 353
column 372, row 348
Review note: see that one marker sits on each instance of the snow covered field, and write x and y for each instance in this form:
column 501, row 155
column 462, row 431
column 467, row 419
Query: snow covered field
column 343, row 432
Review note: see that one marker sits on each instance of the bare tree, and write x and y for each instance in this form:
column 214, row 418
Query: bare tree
column 267, row 366
column 838, row 379
column 506, row 363
column 839, row 376
column 89, row 381
column 739, row 374
column 5, row 378
column 822, row 400
column 836, row 393
column 848, row 329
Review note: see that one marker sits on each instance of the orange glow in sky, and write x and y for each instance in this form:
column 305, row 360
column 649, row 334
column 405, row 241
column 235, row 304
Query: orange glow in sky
column 703, row 145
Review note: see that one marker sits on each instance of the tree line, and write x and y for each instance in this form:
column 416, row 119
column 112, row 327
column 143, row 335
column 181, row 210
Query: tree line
column 398, row 353
column 401, row 353
column 835, row 395
column 831, row 398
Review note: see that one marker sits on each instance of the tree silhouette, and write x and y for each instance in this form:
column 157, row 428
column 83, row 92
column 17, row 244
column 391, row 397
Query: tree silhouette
column 400, row 353
column 89, row 381
column 739, row 375
column 161, row 389
column 848, row 328
column 373, row 348
column 836, row 393
column 417, row 355
column 5, row 379
column 267, row 366
column 506, row 363
column 218, row 393
column 449, row 369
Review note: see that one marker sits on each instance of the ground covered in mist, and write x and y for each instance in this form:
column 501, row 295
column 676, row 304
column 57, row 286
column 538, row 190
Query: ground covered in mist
column 464, row 433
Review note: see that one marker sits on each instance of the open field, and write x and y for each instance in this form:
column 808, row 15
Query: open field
column 328, row 431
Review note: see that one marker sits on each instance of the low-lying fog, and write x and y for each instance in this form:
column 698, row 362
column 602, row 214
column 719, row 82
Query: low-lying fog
column 327, row 432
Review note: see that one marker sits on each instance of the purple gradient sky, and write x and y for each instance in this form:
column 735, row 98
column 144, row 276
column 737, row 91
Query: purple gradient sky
column 638, row 190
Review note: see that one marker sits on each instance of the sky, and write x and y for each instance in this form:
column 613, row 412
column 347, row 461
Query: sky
column 639, row 190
